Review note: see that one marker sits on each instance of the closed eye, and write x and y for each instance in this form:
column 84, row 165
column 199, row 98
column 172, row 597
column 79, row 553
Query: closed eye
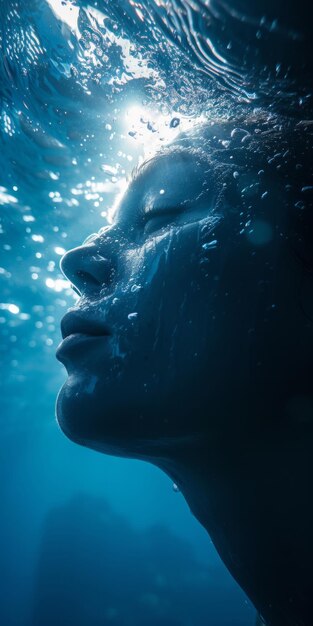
column 158, row 219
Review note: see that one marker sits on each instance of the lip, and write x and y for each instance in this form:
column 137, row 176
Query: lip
column 74, row 323
column 78, row 333
column 74, row 343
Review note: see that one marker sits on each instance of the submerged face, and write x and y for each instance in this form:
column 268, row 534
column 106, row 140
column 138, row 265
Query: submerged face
column 139, row 335
column 160, row 347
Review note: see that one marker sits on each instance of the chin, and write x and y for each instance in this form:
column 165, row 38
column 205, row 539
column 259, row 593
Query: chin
column 77, row 410
column 68, row 418
column 93, row 420
column 98, row 421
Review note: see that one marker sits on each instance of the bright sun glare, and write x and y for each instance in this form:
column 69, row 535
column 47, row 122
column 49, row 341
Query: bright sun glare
column 67, row 12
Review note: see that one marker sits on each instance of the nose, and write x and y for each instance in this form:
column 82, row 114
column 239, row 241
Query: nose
column 90, row 267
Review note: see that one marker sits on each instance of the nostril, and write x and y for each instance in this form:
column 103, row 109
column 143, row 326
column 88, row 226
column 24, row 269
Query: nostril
column 88, row 270
column 85, row 282
column 86, row 278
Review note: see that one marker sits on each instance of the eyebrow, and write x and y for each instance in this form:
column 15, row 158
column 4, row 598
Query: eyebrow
column 139, row 170
column 174, row 151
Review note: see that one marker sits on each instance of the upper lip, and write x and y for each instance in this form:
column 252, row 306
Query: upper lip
column 75, row 323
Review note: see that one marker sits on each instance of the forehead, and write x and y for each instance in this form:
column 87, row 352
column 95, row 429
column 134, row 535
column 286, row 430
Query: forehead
column 173, row 178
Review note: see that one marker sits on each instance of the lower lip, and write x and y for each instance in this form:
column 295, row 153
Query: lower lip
column 76, row 341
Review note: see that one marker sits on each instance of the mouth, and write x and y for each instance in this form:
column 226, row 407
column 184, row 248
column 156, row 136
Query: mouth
column 79, row 331
column 74, row 323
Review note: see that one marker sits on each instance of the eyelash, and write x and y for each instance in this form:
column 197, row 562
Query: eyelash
column 162, row 215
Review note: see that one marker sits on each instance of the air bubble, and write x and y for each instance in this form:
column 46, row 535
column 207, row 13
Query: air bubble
column 132, row 316
column 210, row 245
column 174, row 122
column 239, row 134
column 135, row 288
column 300, row 205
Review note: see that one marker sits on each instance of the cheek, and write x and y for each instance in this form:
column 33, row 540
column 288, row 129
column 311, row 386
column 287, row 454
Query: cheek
column 175, row 302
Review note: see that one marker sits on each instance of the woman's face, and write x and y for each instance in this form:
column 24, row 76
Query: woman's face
column 155, row 348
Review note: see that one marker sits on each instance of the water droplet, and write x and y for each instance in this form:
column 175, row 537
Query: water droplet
column 210, row 245
column 239, row 134
column 135, row 288
column 174, row 122
column 132, row 316
column 151, row 126
column 300, row 205
column 175, row 488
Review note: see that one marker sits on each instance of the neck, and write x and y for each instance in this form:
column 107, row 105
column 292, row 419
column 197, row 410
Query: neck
column 255, row 501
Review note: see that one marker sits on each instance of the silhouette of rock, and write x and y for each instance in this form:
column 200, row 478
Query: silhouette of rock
column 95, row 569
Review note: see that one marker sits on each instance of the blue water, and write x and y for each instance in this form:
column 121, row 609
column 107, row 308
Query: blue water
column 87, row 89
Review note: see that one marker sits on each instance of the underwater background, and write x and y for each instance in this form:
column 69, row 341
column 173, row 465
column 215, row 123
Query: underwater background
column 88, row 89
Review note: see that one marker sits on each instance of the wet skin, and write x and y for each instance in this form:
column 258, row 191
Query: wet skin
column 191, row 347
column 143, row 278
